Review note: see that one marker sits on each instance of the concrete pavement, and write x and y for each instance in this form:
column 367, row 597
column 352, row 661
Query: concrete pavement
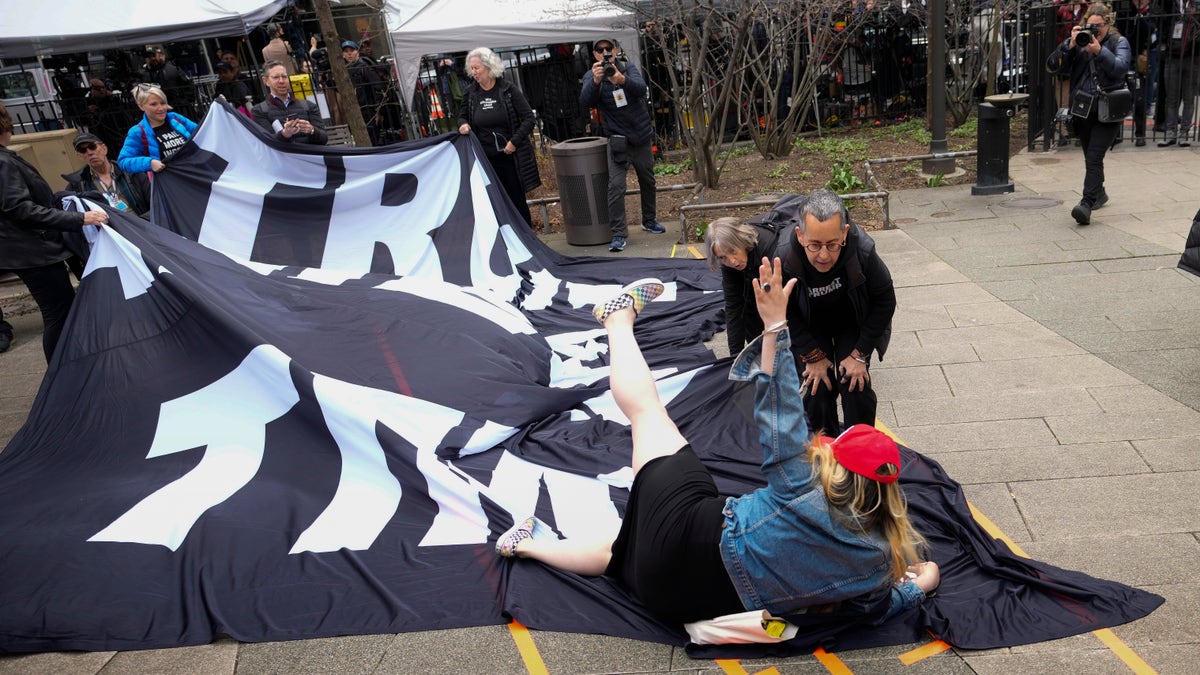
column 1053, row 369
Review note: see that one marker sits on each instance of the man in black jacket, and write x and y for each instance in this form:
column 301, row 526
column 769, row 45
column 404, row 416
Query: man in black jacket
column 841, row 311
column 174, row 82
column 127, row 192
column 618, row 91
column 291, row 119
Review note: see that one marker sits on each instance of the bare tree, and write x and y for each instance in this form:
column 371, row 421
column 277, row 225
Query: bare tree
column 975, row 51
column 745, row 69
column 793, row 44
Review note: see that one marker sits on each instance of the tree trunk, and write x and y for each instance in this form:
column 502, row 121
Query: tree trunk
column 347, row 100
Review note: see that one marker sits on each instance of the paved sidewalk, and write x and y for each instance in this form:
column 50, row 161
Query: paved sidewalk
column 1053, row 369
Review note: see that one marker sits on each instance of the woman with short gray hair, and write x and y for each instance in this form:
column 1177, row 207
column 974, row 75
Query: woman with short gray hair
column 497, row 112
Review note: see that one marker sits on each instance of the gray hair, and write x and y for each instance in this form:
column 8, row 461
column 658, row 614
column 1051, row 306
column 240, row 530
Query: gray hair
column 489, row 60
column 142, row 93
column 730, row 234
column 822, row 204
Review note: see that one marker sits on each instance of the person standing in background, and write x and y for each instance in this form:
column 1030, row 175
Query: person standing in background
column 617, row 90
column 497, row 112
column 279, row 50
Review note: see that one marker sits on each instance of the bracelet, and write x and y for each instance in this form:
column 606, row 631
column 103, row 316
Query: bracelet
column 813, row 356
column 776, row 327
column 858, row 358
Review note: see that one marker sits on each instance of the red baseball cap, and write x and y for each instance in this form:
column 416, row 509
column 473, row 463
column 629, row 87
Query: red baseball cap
column 866, row 451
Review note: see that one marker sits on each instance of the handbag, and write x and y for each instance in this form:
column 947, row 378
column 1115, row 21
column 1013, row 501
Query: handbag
column 1113, row 105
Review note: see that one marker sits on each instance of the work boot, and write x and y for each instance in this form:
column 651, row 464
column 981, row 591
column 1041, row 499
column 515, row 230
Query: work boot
column 1100, row 201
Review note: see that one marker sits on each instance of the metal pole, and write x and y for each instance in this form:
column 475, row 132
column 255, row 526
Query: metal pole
column 937, row 93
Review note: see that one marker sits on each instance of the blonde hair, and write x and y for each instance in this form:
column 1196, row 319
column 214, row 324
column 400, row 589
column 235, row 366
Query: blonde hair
column 730, row 234
column 142, row 93
column 868, row 506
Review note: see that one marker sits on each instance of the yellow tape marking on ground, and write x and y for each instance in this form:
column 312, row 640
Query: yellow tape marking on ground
column 1123, row 652
column 673, row 247
column 831, row 662
column 734, row 667
column 695, row 252
column 529, row 651
column 923, row 652
column 1106, row 636
column 730, row 666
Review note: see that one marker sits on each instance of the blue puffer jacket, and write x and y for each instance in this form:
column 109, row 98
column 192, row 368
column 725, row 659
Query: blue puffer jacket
column 141, row 146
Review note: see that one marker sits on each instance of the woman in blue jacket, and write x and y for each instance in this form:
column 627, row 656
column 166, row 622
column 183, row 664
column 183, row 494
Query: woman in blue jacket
column 158, row 136
column 828, row 534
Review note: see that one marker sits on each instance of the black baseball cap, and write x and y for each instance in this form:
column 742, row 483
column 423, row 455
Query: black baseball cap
column 85, row 137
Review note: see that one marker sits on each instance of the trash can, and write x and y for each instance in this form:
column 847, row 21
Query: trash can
column 991, row 155
column 581, row 167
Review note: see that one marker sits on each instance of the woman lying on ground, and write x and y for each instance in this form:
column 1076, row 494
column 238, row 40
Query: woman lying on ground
column 829, row 532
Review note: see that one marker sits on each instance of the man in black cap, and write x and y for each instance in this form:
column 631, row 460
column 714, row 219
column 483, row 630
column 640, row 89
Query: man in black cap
column 127, row 192
column 369, row 87
column 158, row 70
column 228, row 85
column 617, row 90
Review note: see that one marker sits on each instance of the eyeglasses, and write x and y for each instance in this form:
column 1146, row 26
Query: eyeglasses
column 85, row 147
column 832, row 247
column 605, row 48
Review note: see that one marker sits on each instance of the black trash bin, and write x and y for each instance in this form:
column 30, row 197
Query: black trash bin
column 581, row 167
column 991, row 155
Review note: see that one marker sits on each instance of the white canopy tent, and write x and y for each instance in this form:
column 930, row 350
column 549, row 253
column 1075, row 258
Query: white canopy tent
column 462, row 25
column 33, row 29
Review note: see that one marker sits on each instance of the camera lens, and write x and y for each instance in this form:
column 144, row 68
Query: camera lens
column 1083, row 38
column 609, row 69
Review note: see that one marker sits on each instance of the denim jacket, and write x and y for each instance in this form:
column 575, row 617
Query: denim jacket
column 782, row 547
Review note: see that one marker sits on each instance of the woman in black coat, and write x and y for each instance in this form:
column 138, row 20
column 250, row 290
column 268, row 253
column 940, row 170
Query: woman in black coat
column 31, row 242
column 737, row 248
column 502, row 121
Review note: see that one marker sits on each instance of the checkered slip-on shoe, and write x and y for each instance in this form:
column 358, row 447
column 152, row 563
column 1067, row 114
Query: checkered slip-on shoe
column 506, row 545
column 635, row 295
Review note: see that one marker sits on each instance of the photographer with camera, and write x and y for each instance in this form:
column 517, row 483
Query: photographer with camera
column 618, row 92
column 1097, row 57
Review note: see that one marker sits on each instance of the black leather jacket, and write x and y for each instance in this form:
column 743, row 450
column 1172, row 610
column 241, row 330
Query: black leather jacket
column 31, row 224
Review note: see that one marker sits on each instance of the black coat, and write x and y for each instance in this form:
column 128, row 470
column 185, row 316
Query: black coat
column 521, row 121
column 871, row 293
column 29, row 217
column 742, row 322
column 135, row 188
column 1190, row 260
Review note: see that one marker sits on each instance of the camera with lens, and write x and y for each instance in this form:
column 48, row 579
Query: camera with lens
column 610, row 68
column 1086, row 34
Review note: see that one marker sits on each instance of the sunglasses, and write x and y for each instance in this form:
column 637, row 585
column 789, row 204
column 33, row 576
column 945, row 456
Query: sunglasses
column 85, row 147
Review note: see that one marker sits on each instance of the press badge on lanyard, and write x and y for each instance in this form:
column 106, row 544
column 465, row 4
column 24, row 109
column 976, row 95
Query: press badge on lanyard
column 1177, row 31
column 619, row 98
